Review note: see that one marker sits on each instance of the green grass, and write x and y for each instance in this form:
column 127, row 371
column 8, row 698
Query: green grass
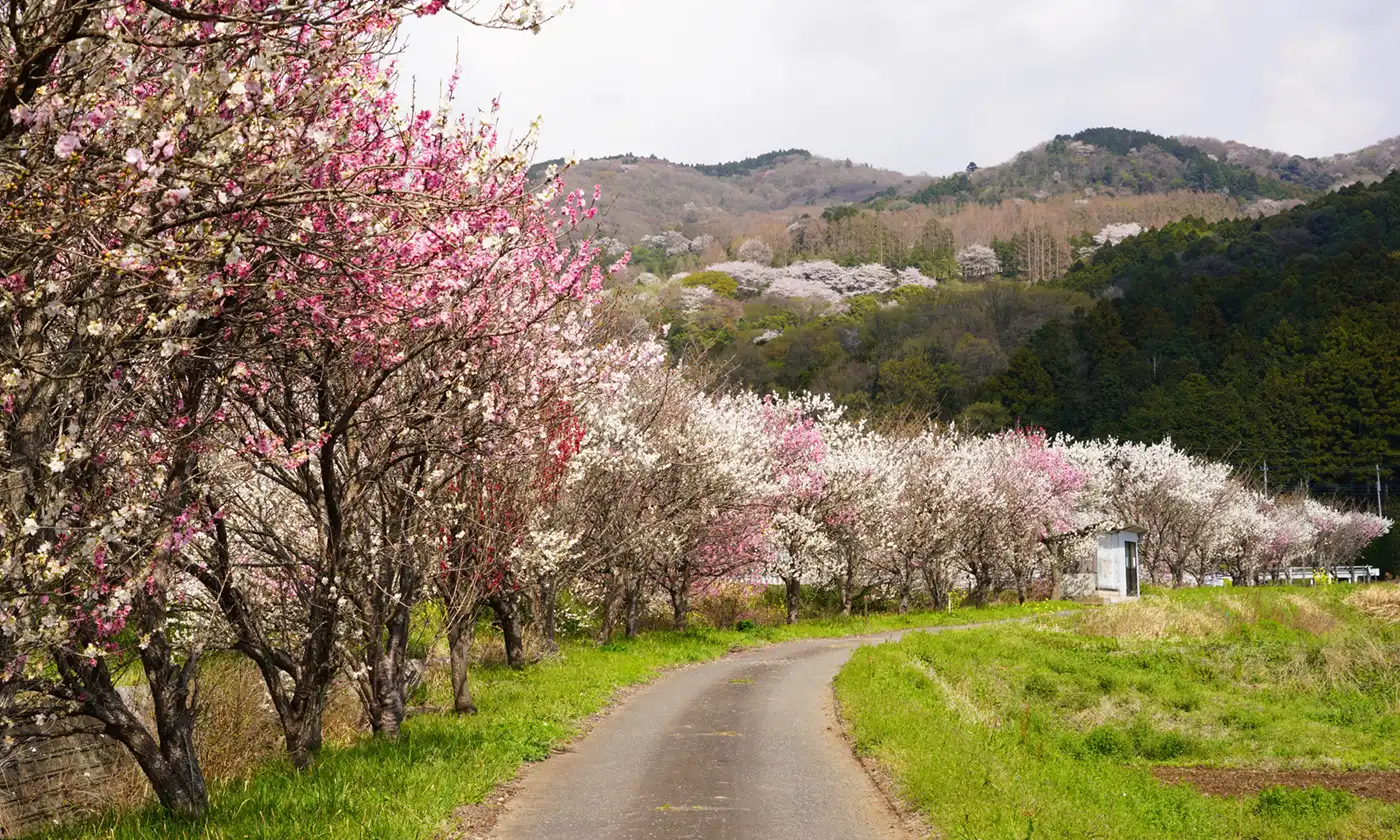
column 1050, row 731
column 397, row 791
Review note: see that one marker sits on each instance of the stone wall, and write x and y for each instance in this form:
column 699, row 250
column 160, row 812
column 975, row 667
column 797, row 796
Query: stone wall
column 1077, row 585
column 48, row 780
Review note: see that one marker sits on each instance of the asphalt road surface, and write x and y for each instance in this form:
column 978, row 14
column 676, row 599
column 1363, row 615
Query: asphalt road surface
column 746, row 747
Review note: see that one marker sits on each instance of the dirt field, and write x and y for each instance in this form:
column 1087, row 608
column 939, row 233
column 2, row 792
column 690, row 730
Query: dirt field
column 1220, row 781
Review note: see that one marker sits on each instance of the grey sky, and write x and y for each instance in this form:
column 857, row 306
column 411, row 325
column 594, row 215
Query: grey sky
column 927, row 85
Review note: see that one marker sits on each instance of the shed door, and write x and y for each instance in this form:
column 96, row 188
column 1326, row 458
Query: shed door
column 1130, row 565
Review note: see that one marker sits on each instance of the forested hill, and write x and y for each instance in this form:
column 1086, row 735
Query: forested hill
column 1273, row 340
column 1117, row 160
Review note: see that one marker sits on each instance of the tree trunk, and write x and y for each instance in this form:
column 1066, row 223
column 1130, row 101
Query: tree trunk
column 168, row 761
column 904, row 587
column 981, row 585
column 847, row 586
column 680, row 609
column 302, row 730
column 171, row 768
column 608, row 625
column 180, row 789
column 299, row 711
column 794, row 590
column 460, row 632
column 389, row 682
column 503, row 604
column 633, row 608
column 549, row 612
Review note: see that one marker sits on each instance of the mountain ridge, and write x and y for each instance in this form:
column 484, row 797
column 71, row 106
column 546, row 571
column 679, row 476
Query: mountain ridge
column 647, row 194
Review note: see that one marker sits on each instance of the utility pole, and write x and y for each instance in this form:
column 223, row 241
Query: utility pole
column 1266, row 476
column 1379, row 511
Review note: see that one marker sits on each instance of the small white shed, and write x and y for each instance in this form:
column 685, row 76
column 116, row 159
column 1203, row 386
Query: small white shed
column 1110, row 570
column 1117, row 568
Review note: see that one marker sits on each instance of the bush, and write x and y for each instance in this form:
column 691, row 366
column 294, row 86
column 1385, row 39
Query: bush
column 716, row 281
column 729, row 603
column 1155, row 745
column 1141, row 740
column 1109, row 742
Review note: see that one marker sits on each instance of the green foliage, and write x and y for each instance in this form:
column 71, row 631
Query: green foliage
column 537, row 170
column 717, row 281
column 1201, row 172
column 1246, row 339
column 1121, row 160
column 654, row 260
column 761, row 315
column 984, row 418
column 933, row 353
column 840, row 212
column 1008, row 253
column 748, row 166
column 1307, row 805
column 957, row 187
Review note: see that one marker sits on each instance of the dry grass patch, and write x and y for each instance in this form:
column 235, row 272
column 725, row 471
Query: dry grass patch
column 1379, row 601
column 1151, row 618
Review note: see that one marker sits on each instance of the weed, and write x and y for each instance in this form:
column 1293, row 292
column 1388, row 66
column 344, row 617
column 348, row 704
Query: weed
column 1042, row 685
column 1308, row 804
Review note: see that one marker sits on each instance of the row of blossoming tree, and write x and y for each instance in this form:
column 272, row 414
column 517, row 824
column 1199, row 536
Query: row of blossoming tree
column 285, row 362
column 261, row 324
column 698, row 486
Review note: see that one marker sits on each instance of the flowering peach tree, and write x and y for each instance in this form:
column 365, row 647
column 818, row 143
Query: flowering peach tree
column 207, row 203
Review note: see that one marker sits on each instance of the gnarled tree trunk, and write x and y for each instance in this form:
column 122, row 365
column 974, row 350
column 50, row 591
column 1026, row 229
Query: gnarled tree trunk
column 633, row 607
column 507, row 613
column 794, row 593
column 680, row 608
column 168, row 760
column 548, row 614
column 460, row 632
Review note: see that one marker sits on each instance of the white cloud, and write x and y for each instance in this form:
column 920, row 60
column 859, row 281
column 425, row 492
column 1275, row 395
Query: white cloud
column 926, row 85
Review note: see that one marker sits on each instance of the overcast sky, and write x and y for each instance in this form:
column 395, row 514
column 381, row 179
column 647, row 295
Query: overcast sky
column 926, row 85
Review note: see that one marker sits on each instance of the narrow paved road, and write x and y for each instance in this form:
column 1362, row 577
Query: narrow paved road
column 747, row 747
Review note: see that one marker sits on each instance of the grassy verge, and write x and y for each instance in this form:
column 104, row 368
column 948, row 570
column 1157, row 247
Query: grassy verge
column 408, row 789
column 1051, row 731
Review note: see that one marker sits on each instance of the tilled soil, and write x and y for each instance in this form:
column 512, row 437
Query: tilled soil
column 1226, row 781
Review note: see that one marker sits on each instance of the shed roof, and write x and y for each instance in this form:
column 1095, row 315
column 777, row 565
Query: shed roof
column 1134, row 529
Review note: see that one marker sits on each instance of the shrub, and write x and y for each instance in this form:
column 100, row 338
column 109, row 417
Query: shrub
column 1141, row 740
column 1155, row 745
column 716, row 281
column 1108, row 741
column 729, row 603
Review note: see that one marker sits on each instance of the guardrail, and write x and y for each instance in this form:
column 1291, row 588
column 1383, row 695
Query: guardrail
column 1341, row 574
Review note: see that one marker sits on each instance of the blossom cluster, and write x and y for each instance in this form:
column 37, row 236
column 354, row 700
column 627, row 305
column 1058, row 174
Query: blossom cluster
column 821, row 279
